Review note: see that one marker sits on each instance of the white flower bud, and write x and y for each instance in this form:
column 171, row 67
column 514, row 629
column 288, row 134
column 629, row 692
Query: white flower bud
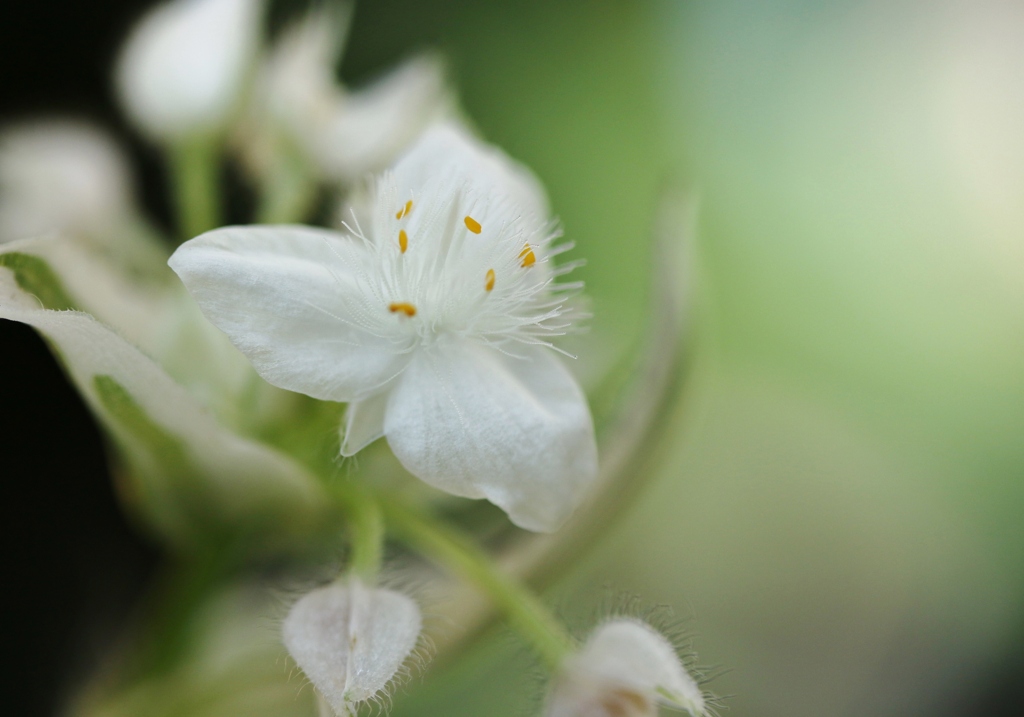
column 60, row 176
column 183, row 67
column 344, row 134
column 350, row 639
column 625, row 669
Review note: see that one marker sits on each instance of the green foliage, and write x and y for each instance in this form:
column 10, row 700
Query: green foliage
column 166, row 450
column 36, row 277
column 174, row 487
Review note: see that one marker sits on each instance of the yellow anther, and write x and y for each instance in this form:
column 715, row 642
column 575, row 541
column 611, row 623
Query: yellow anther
column 473, row 225
column 489, row 281
column 528, row 257
column 404, row 211
column 402, row 307
column 403, row 240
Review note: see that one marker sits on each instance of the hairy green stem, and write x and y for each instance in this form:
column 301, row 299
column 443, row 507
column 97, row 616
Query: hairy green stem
column 457, row 552
column 195, row 175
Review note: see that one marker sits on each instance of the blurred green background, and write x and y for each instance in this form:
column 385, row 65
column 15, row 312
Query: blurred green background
column 838, row 517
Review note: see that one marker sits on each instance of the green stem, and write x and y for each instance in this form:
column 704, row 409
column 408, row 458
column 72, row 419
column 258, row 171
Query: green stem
column 456, row 551
column 365, row 529
column 195, row 173
column 287, row 193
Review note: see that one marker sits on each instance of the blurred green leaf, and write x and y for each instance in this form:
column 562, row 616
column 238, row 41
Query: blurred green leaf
column 34, row 276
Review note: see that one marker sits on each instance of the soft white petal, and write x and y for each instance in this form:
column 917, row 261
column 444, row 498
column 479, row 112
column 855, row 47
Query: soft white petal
column 346, row 135
column 371, row 126
column 449, row 148
column 298, row 303
column 182, row 68
column 364, row 423
column 472, row 421
column 298, row 86
column 633, row 654
column 235, row 478
column 60, row 176
column 351, row 639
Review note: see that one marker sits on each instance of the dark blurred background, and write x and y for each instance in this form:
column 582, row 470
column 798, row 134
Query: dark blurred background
column 840, row 517
column 72, row 567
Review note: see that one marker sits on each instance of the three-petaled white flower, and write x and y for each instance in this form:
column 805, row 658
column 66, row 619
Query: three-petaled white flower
column 626, row 669
column 433, row 317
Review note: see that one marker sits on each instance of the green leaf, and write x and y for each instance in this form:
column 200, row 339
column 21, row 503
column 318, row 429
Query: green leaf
column 180, row 492
column 34, row 276
column 191, row 478
column 167, row 450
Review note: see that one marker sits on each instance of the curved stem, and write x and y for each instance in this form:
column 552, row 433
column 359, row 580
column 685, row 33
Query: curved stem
column 195, row 174
column 454, row 550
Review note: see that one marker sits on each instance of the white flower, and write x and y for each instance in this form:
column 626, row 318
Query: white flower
column 60, row 176
column 351, row 639
column 344, row 134
column 183, row 67
column 434, row 320
column 626, row 669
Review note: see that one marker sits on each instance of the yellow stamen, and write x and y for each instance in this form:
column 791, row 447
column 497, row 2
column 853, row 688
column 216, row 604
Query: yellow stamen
column 403, row 307
column 473, row 225
column 404, row 211
column 528, row 257
column 403, row 240
column 489, row 281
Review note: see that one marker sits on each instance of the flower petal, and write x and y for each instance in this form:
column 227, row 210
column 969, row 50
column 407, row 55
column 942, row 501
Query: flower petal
column 371, row 126
column 472, row 421
column 450, row 149
column 297, row 87
column 296, row 302
column 364, row 423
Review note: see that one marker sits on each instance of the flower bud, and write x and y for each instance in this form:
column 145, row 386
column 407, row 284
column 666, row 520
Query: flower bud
column 182, row 68
column 60, row 176
column 350, row 639
column 343, row 133
column 625, row 669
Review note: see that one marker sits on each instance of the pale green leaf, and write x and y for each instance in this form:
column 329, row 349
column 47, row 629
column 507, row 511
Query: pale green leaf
column 187, row 474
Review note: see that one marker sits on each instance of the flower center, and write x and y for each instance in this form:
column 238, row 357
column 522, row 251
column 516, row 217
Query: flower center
column 455, row 263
